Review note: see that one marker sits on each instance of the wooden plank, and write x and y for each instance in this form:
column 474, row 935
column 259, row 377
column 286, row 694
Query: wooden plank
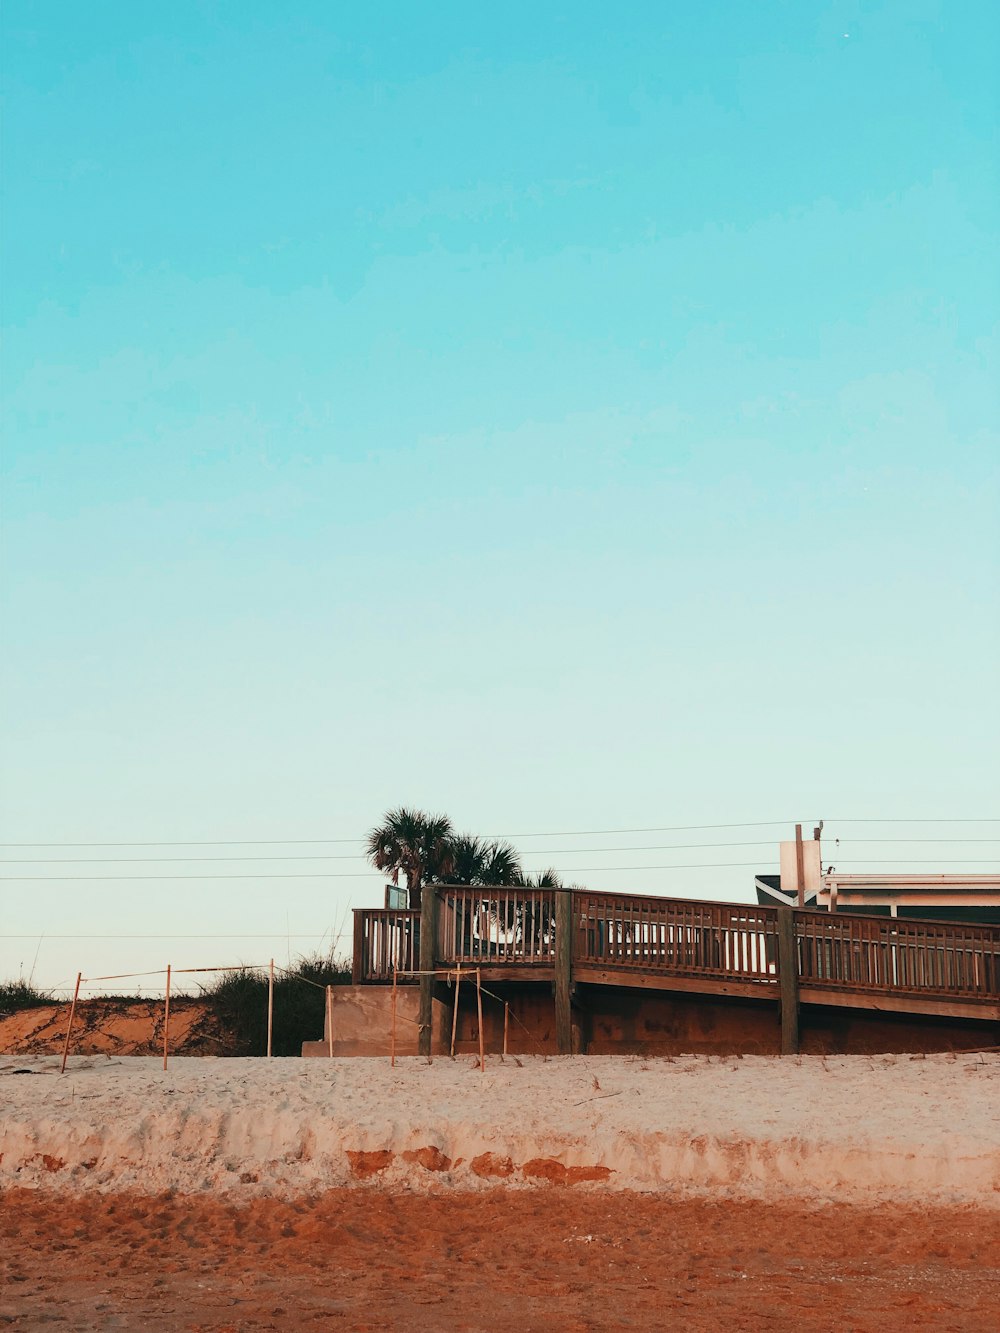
column 596, row 974
column 989, row 1012
column 526, row 972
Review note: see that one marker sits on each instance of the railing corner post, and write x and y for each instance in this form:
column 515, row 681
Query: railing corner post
column 428, row 946
column 359, row 946
column 788, row 981
column 564, row 971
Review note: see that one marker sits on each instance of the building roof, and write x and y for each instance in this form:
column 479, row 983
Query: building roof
column 972, row 898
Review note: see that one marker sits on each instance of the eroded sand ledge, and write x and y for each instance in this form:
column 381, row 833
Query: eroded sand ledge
column 857, row 1129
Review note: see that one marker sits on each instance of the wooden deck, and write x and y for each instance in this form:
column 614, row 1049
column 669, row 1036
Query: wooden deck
column 723, row 949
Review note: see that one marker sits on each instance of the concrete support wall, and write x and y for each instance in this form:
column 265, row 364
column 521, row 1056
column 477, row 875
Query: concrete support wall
column 362, row 1022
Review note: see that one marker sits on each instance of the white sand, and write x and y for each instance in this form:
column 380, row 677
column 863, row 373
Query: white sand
column 848, row 1128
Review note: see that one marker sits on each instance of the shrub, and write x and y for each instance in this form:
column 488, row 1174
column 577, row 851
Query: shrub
column 21, row 994
column 239, row 1000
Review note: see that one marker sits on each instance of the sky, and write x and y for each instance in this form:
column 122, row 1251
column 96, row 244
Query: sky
column 575, row 419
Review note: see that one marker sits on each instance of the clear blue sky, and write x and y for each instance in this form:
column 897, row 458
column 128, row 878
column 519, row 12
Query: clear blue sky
column 567, row 417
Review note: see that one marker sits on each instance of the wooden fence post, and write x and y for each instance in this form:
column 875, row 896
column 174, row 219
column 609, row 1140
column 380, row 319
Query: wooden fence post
column 479, row 1004
column 392, row 1056
column 329, row 1018
column 166, row 1019
column 454, row 1016
column 564, row 971
column 788, row 981
column 69, row 1028
column 270, row 1007
column 428, row 946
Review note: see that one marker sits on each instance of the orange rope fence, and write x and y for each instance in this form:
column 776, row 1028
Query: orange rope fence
column 170, row 972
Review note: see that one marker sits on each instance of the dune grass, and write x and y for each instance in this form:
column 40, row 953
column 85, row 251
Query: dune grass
column 239, row 1000
column 21, row 994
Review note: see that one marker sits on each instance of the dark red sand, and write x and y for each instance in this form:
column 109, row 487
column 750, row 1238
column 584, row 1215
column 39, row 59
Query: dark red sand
column 503, row 1261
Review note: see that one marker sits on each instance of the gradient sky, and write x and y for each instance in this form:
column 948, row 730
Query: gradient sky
column 567, row 417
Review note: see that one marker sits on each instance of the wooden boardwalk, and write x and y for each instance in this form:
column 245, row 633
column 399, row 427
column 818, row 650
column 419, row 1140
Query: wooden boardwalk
column 726, row 949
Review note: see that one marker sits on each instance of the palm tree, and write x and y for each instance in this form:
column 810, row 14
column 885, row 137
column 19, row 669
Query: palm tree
column 545, row 879
column 418, row 844
column 538, row 918
column 482, row 864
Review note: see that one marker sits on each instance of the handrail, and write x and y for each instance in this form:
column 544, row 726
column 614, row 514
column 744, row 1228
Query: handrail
column 384, row 939
column 507, row 924
column 880, row 954
column 682, row 936
column 639, row 933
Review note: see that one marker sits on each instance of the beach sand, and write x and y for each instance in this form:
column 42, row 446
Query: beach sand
column 577, row 1193
column 504, row 1261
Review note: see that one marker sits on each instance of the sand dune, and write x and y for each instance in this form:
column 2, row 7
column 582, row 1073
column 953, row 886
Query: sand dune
column 115, row 1027
column 849, row 1129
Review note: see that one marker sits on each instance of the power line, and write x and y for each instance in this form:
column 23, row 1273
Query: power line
column 316, row 842
column 551, row 851
column 218, row 842
column 104, row 879
column 569, row 870
column 760, row 864
column 536, row 852
column 558, row 833
column 160, row 860
column 669, row 828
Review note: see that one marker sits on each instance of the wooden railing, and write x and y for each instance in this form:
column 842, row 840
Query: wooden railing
column 634, row 933
column 384, row 939
column 837, row 951
column 498, row 925
column 684, row 937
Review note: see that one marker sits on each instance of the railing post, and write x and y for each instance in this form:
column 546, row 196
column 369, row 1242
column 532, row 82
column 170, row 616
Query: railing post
column 788, row 981
column 564, row 971
column 359, row 945
column 428, row 945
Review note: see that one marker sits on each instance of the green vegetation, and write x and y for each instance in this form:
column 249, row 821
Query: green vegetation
column 239, row 1001
column 426, row 849
column 21, row 994
column 419, row 845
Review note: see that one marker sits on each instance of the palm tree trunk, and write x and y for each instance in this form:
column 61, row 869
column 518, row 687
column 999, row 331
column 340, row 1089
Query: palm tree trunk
column 413, row 890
